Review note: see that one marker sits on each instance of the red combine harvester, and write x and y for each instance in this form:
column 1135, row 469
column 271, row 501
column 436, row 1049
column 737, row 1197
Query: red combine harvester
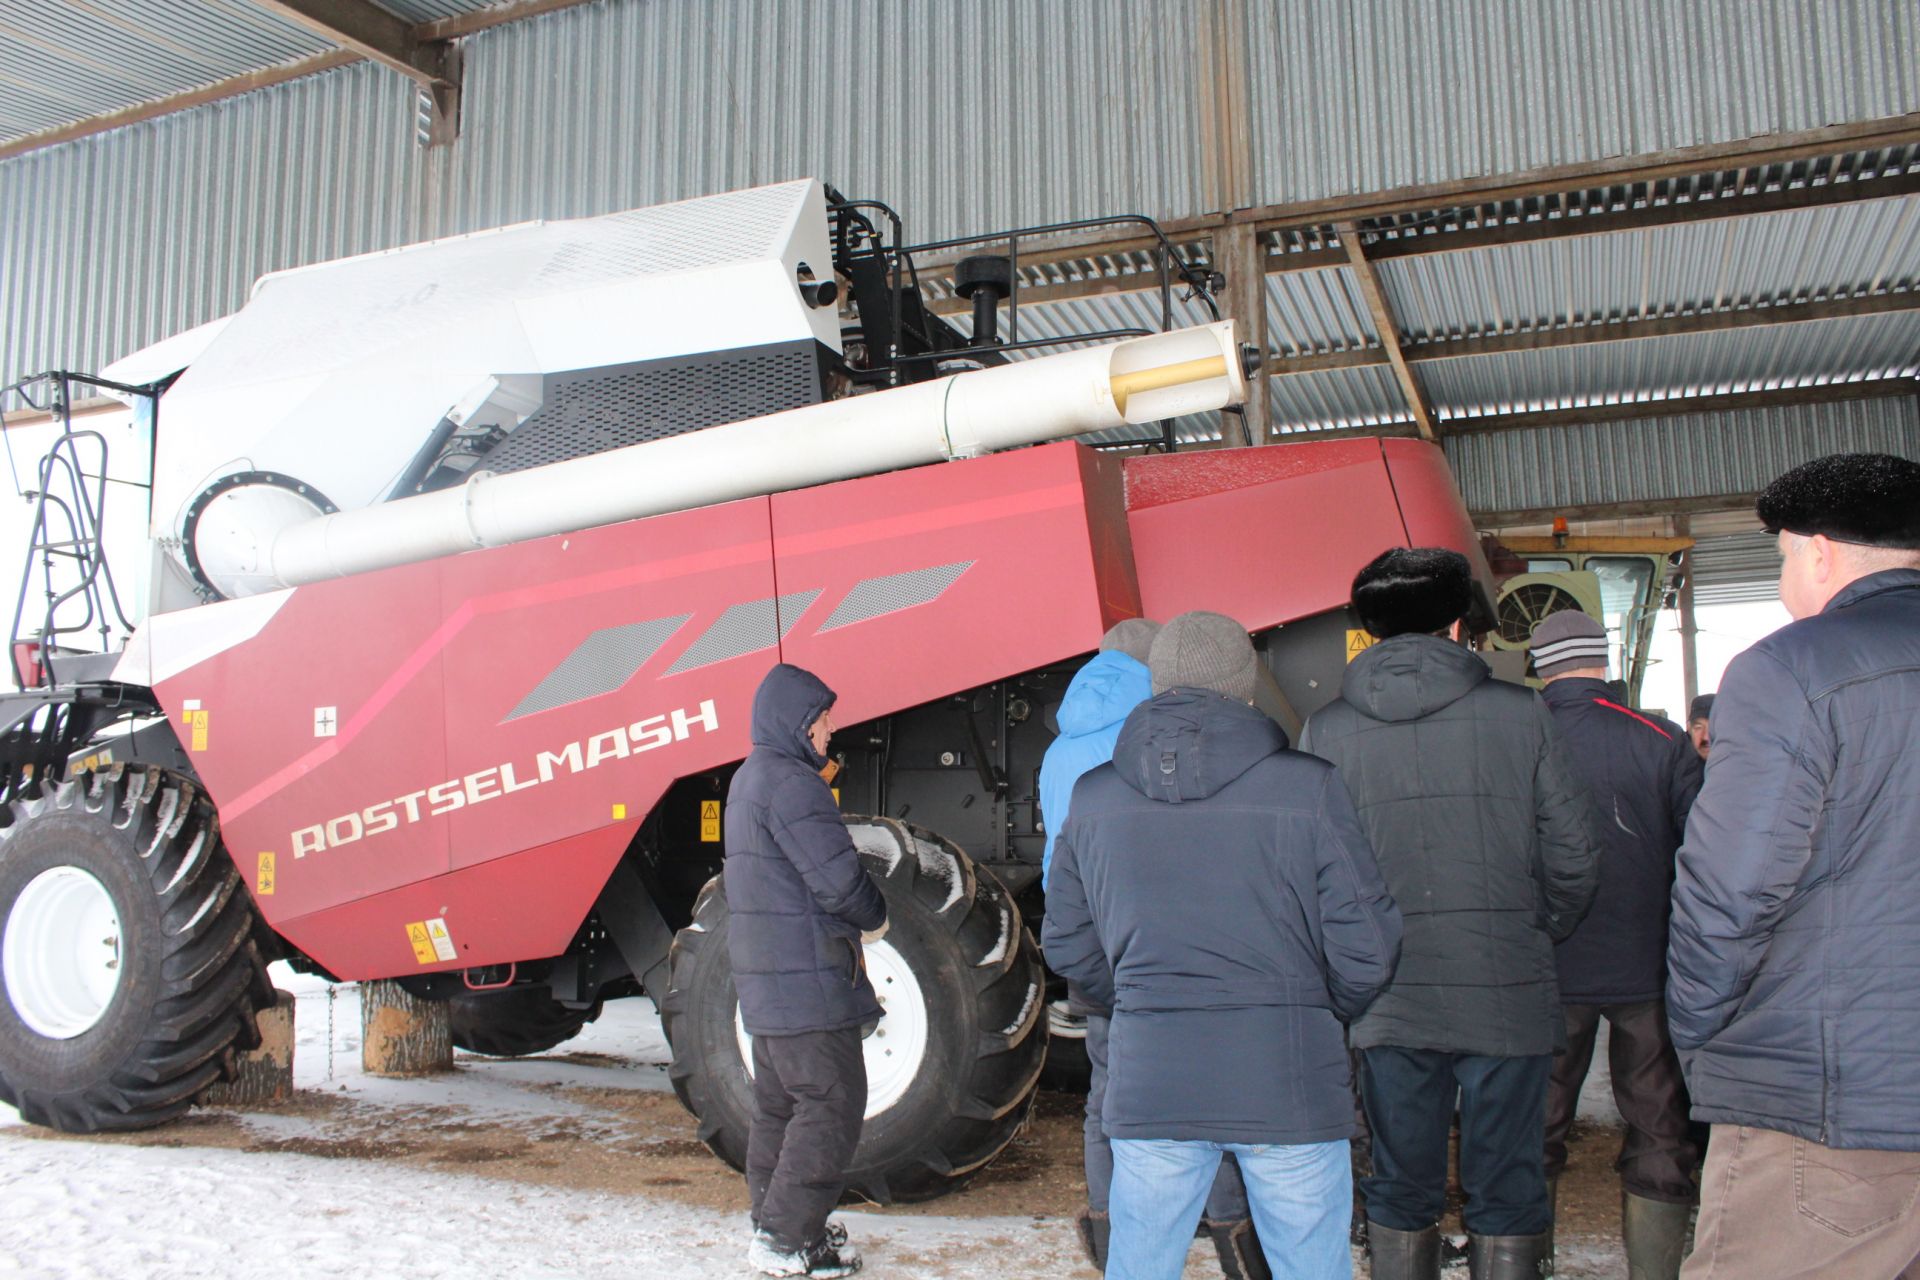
column 467, row 561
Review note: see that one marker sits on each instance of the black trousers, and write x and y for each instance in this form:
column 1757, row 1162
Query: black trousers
column 1409, row 1096
column 809, row 1098
column 1658, row 1156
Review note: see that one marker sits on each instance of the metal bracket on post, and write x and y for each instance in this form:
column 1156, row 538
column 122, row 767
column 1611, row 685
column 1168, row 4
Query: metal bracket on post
column 437, row 120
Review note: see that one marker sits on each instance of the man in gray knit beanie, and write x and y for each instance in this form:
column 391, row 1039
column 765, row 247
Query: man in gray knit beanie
column 1203, row 650
column 1215, row 891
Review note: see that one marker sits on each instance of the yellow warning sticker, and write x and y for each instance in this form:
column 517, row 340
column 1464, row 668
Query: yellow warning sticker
column 1358, row 642
column 422, row 944
column 709, row 822
column 441, row 939
column 197, row 721
column 619, row 812
column 263, row 882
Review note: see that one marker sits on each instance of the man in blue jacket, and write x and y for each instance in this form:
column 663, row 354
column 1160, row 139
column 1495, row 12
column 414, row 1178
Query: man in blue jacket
column 1643, row 773
column 1794, row 963
column 800, row 902
column 1215, row 890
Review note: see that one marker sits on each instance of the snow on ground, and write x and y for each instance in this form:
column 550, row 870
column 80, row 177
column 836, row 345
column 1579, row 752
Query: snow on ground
column 84, row 1209
column 87, row 1209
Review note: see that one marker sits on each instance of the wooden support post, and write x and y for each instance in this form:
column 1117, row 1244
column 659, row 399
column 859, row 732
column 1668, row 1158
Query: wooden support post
column 265, row 1076
column 1239, row 255
column 401, row 1035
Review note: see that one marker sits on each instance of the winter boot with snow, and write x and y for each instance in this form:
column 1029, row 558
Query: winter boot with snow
column 1095, row 1230
column 1404, row 1255
column 1655, row 1233
column 1239, row 1248
column 823, row 1258
column 1507, row 1257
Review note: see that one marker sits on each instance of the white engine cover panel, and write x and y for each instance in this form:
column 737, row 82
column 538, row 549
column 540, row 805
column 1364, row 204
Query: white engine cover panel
column 338, row 373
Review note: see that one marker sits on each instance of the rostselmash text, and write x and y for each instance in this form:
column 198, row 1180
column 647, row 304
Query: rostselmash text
column 505, row 779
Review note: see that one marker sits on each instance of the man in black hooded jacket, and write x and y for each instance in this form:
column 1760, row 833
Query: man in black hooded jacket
column 800, row 902
column 1487, row 843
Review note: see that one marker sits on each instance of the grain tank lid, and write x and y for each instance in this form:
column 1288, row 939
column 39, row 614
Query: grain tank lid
column 337, row 374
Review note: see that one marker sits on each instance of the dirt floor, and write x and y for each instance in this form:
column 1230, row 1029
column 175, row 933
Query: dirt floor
column 640, row 1141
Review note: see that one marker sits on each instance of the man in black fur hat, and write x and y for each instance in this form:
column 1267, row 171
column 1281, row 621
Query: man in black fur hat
column 1793, row 984
column 1487, row 842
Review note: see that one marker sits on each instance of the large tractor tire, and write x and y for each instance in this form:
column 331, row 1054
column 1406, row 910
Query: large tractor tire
column 515, row 1022
column 126, row 953
column 951, row 1069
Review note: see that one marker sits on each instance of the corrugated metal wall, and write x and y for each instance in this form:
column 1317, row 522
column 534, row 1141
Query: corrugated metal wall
column 1374, row 94
column 965, row 114
column 1688, row 456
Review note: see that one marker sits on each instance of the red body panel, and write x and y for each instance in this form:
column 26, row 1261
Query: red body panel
column 506, row 718
column 1274, row 534
column 431, row 668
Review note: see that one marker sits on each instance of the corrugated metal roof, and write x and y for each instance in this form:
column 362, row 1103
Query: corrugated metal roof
column 965, row 117
column 417, row 11
column 1315, row 311
column 1690, row 364
column 1335, row 398
column 1738, row 568
column 1712, row 455
column 1736, row 262
column 1377, row 94
column 62, row 60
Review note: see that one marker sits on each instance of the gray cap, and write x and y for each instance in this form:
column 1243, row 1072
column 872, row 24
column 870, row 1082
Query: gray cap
column 1203, row 651
column 1568, row 641
column 1134, row 637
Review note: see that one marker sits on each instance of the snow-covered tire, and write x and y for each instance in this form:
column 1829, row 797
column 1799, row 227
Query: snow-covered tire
column 514, row 1022
column 127, row 953
column 952, row 1068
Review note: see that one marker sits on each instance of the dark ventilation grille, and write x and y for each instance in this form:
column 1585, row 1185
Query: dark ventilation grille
column 593, row 410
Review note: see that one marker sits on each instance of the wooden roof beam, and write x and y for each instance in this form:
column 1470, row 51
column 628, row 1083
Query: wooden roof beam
column 1388, row 329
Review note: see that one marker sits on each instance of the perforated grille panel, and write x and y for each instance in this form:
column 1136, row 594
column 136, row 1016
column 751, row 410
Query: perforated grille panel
column 745, row 628
column 603, row 662
column 875, row 596
column 590, row 411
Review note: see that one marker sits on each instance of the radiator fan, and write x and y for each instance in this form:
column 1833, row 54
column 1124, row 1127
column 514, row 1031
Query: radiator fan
column 1528, row 598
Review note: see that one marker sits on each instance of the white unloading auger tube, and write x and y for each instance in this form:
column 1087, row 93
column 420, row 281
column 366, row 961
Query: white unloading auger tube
column 1136, row 380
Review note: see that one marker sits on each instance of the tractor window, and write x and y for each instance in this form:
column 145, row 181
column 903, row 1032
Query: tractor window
column 1538, row 564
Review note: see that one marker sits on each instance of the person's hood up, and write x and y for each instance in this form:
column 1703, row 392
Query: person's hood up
column 788, row 701
column 1103, row 693
column 1407, row 677
column 1186, row 744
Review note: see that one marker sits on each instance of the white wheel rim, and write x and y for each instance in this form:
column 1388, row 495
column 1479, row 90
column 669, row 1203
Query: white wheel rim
column 61, row 956
column 898, row 1046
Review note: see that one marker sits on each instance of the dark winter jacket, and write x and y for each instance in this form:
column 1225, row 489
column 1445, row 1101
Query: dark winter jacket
column 1794, row 987
column 1215, row 889
column 1643, row 774
column 1485, row 837
column 1098, row 700
column 796, row 891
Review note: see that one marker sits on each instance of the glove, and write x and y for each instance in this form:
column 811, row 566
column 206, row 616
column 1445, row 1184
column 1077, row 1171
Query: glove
column 869, row 937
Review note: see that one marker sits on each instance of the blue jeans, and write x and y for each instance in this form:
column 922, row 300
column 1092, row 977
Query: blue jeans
column 1409, row 1097
column 1301, row 1197
column 1228, row 1200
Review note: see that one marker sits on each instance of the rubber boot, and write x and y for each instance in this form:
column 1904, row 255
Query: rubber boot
column 1404, row 1255
column 1239, row 1248
column 1095, row 1230
column 1655, row 1233
column 1508, row 1257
